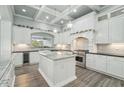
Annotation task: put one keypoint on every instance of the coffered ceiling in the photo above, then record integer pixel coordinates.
(55, 14)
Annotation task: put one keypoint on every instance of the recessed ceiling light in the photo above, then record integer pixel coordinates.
(55, 30)
(62, 21)
(47, 17)
(75, 10)
(23, 10)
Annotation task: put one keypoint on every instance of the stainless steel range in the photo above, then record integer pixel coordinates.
(80, 57)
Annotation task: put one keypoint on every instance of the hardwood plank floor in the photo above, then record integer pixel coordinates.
(29, 76)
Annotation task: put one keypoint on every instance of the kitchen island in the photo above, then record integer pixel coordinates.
(57, 68)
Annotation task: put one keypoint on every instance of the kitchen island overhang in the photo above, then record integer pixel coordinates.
(57, 68)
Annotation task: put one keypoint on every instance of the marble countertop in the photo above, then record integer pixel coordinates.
(58, 55)
(107, 54)
(32, 50)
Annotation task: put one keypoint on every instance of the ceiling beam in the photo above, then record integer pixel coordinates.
(55, 13)
(35, 7)
(40, 11)
(50, 11)
(95, 8)
(48, 23)
(65, 13)
(23, 16)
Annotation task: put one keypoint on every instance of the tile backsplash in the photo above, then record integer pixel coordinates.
(114, 48)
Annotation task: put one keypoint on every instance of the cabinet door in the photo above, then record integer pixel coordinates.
(116, 29)
(101, 62)
(34, 57)
(56, 38)
(21, 35)
(18, 59)
(115, 67)
(90, 62)
(102, 32)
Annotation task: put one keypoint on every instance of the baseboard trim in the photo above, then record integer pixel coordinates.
(105, 73)
(51, 84)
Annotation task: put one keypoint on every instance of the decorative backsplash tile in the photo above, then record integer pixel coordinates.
(114, 48)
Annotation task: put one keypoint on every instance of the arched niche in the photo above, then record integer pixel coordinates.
(80, 43)
(42, 40)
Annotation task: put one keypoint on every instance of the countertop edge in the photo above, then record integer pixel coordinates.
(58, 58)
(105, 54)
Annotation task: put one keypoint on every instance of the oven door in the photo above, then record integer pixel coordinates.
(80, 61)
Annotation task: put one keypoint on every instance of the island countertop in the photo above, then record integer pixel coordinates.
(57, 55)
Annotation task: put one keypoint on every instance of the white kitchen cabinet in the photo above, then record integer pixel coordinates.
(102, 31)
(97, 62)
(62, 38)
(56, 38)
(90, 62)
(66, 37)
(18, 59)
(115, 66)
(21, 35)
(100, 62)
(116, 29)
(34, 57)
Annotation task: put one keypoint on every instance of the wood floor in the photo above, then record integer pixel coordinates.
(28, 76)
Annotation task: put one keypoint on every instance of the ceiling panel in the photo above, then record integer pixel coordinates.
(43, 16)
(30, 12)
(83, 10)
(59, 8)
(64, 22)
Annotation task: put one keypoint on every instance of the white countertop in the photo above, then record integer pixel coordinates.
(57, 55)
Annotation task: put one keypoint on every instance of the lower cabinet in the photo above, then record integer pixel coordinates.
(34, 57)
(100, 62)
(96, 62)
(113, 66)
(18, 59)
(90, 62)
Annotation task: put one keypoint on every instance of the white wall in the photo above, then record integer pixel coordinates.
(5, 33)
(6, 28)
(6, 13)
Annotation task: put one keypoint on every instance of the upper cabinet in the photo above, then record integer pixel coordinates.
(110, 27)
(102, 29)
(21, 35)
(62, 38)
(116, 26)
